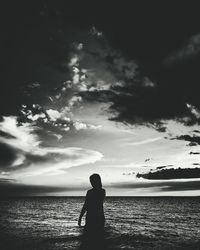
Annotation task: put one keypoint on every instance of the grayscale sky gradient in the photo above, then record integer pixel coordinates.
(109, 89)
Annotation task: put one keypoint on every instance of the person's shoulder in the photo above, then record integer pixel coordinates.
(103, 191)
(90, 191)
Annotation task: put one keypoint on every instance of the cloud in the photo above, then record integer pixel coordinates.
(79, 46)
(33, 112)
(148, 83)
(194, 153)
(164, 186)
(97, 66)
(133, 143)
(58, 136)
(54, 159)
(36, 117)
(74, 100)
(34, 85)
(82, 126)
(60, 118)
(23, 154)
(126, 67)
(166, 166)
(190, 49)
(6, 135)
(104, 74)
(194, 140)
(171, 173)
(22, 136)
(7, 155)
(100, 73)
(92, 49)
(74, 60)
(95, 32)
(53, 114)
(194, 110)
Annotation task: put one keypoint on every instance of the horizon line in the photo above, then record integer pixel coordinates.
(109, 196)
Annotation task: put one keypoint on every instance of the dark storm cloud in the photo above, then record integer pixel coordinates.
(196, 164)
(33, 50)
(134, 97)
(135, 103)
(166, 174)
(194, 153)
(173, 97)
(37, 46)
(192, 144)
(7, 155)
(196, 131)
(175, 86)
(7, 135)
(146, 105)
(148, 97)
(194, 140)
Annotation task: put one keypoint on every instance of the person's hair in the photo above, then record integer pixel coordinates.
(95, 181)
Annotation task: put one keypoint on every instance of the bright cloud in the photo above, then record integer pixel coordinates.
(74, 100)
(81, 125)
(34, 159)
(53, 114)
(193, 110)
(36, 117)
(74, 60)
(23, 136)
(64, 158)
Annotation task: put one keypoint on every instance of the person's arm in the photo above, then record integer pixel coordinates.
(83, 210)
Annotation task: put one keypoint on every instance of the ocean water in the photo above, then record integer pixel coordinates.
(131, 223)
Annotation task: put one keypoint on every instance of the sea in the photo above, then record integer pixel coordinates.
(131, 223)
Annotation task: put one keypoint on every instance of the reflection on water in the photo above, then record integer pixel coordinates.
(131, 223)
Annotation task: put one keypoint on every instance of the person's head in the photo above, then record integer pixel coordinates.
(95, 181)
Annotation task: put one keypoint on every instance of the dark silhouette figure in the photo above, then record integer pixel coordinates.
(94, 205)
(93, 235)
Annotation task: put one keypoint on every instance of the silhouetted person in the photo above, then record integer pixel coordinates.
(94, 204)
(93, 236)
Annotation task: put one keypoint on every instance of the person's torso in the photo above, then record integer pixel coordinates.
(95, 200)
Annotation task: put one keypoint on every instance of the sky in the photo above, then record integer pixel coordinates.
(100, 88)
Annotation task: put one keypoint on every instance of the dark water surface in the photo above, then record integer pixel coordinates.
(131, 223)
